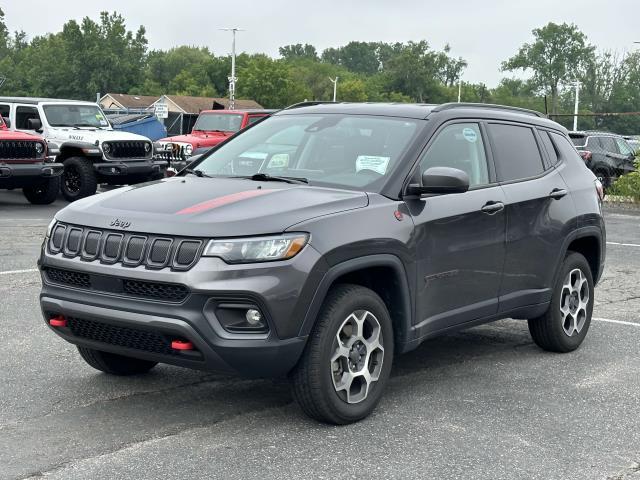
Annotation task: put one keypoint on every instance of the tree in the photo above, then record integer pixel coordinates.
(555, 57)
(357, 57)
(267, 81)
(298, 51)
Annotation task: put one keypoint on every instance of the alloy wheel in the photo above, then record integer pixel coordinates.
(574, 301)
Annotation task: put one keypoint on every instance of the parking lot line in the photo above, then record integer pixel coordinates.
(15, 272)
(624, 244)
(619, 322)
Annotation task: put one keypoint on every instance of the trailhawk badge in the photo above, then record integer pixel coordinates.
(117, 223)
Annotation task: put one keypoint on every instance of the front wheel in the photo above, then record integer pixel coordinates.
(565, 324)
(43, 194)
(347, 361)
(79, 179)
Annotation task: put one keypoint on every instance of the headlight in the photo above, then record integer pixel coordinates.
(39, 148)
(147, 147)
(50, 228)
(106, 148)
(188, 150)
(257, 249)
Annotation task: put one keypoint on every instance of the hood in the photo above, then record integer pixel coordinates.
(11, 135)
(208, 207)
(91, 135)
(199, 139)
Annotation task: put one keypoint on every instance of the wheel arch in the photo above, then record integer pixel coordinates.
(386, 275)
(587, 241)
(78, 149)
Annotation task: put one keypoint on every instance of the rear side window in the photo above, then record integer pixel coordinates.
(579, 141)
(564, 147)
(594, 144)
(4, 111)
(23, 115)
(548, 146)
(516, 152)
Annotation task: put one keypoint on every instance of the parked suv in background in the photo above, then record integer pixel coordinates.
(211, 128)
(607, 155)
(82, 139)
(325, 239)
(24, 164)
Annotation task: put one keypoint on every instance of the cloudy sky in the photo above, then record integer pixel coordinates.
(483, 32)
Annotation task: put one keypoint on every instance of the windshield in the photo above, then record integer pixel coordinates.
(225, 122)
(75, 116)
(354, 151)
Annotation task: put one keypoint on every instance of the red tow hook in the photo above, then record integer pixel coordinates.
(181, 345)
(58, 321)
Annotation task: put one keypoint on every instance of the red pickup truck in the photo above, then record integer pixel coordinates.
(211, 128)
(24, 164)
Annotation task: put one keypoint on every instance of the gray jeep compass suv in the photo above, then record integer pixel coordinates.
(328, 238)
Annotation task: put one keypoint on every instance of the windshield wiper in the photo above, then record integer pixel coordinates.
(265, 177)
(197, 173)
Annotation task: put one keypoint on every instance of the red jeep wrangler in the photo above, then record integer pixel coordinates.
(211, 128)
(24, 164)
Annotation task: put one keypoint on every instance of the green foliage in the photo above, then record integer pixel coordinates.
(627, 186)
(298, 51)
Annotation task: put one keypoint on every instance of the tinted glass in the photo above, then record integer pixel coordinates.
(459, 146)
(548, 146)
(4, 111)
(564, 148)
(579, 141)
(593, 143)
(23, 115)
(353, 151)
(609, 144)
(254, 119)
(624, 147)
(516, 152)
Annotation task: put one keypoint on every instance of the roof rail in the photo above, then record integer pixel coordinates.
(450, 106)
(307, 104)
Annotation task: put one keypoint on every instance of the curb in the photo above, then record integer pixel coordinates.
(621, 203)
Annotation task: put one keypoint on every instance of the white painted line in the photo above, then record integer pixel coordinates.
(16, 272)
(624, 244)
(619, 322)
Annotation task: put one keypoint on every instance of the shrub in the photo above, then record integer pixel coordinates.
(627, 186)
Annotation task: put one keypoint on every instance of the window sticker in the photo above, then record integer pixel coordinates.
(371, 162)
(470, 135)
(255, 155)
(279, 160)
(101, 119)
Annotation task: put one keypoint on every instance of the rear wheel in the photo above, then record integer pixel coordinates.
(115, 364)
(43, 194)
(604, 176)
(79, 179)
(347, 361)
(564, 326)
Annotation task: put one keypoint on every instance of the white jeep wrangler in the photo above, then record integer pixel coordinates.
(81, 138)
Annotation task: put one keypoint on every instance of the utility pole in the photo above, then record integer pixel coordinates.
(335, 86)
(575, 110)
(233, 79)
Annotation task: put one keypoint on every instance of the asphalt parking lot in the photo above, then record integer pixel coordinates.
(483, 403)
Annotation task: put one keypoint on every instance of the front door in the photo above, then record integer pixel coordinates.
(459, 238)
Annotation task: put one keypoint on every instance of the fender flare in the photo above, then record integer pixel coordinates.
(88, 149)
(353, 265)
(583, 232)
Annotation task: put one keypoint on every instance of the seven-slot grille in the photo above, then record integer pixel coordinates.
(166, 292)
(127, 149)
(19, 150)
(128, 249)
(172, 152)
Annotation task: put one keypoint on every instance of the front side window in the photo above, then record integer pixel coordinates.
(459, 146)
(352, 151)
(218, 122)
(75, 116)
(624, 147)
(516, 152)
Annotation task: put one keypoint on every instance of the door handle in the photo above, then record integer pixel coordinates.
(558, 193)
(492, 207)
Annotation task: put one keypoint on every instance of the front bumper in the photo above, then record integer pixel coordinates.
(134, 167)
(276, 289)
(24, 174)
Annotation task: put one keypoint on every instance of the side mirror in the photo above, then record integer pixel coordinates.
(7, 122)
(440, 181)
(34, 124)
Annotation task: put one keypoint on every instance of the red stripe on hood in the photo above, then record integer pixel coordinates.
(224, 200)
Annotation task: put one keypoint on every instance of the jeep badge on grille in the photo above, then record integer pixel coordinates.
(117, 223)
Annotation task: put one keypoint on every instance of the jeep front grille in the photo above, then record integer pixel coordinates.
(164, 292)
(19, 150)
(172, 152)
(128, 249)
(127, 149)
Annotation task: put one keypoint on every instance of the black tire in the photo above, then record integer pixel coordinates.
(548, 331)
(43, 194)
(115, 364)
(79, 179)
(313, 377)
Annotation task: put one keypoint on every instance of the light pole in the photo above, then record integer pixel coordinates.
(575, 110)
(233, 79)
(459, 90)
(335, 86)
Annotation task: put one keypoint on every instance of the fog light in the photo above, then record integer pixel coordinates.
(254, 317)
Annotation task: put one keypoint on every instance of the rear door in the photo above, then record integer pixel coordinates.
(539, 213)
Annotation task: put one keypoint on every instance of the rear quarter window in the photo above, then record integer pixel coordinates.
(564, 148)
(549, 147)
(516, 152)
